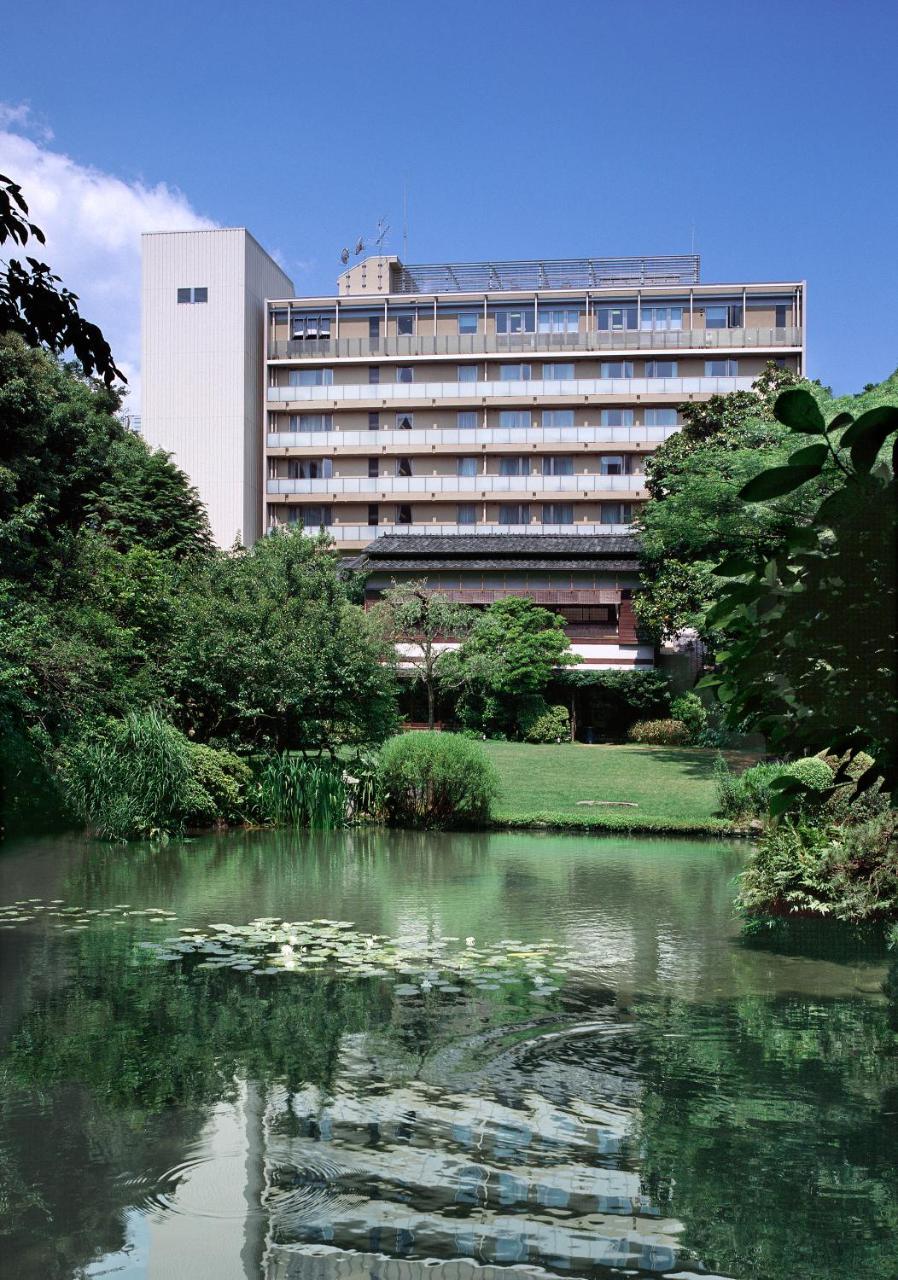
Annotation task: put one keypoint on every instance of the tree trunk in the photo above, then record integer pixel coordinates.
(430, 704)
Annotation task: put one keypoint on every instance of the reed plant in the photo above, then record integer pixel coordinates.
(293, 791)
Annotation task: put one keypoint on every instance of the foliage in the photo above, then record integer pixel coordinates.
(418, 620)
(659, 732)
(749, 794)
(610, 701)
(847, 872)
(553, 725)
(690, 709)
(224, 778)
(133, 778)
(500, 672)
(31, 304)
(435, 780)
(296, 792)
(268, 652)
(813, 623)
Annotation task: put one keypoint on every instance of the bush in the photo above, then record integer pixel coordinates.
(435, 780)
(610, 701)
(692, 711)
(554, 725)
(849, 872)
(132, 778)
(292, 791)
(748, 795)
(659, 733)
(222, 781)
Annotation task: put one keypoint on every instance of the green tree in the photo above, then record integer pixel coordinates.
(502, 669)
(419, 621)
(813, 624)
(269, 652)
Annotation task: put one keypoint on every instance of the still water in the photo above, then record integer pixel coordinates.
(667, 1100)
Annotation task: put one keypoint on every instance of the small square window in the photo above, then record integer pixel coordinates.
(406, 325)
(404, 373)
(403, 467)
(467, 372)
(405, 421)
(201, 295)
(466, 513)
(184, 295)
(466, 466)
(467, 322)
(403, 514)
(466, 419)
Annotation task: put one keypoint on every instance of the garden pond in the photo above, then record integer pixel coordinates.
(390, 1055)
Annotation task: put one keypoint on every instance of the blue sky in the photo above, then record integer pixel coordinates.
(521, 130)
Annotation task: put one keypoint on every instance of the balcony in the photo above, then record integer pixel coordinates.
(364, 533)
(450, 345)
(424, 487)
(407, 394)
(477, 438)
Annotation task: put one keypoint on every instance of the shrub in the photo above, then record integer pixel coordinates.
(748, 794)
(222, 784)
(849, 872)
(132, 778)
(292, 791)
(435, 780)
(610, 701)
(692, 711)
(554, 725)
(660, 733)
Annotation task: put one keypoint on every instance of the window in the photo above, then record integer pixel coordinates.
(514, 466)
(311, 421)
(661, 318)
(374, 421)
(518, 321)
(467, 372)
(466, 419)
(514, 513)
(311, 377)
(617, 369)
(373, 468)
(612, 464)
(373, 375)
(193, 295)
(721, 368)
(559, 465)
(307, 327)
(404, 373)
(558, 513)
(723, 317)
(467, 322)
(405, 421)
(514, 418)
(310, 517)
(403, 466)
(403, 514)
(781, 315)
(616, 513)
(185, 295)
(660, 368)
(466, 466)
(310, 468)
(660, 417)
(559, 321)
(405, 325)
(558, 372)
(615, 319)
(557, 418)
(466, 513)
(514, 372)
(373, 513)
(373, 328)
(617, 418)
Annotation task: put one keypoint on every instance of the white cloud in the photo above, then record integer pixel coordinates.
(93, 222)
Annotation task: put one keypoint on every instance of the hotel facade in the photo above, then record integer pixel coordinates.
(468, 404)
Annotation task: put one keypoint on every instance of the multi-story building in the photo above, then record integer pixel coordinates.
(515, 397)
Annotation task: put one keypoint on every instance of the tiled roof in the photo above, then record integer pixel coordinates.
(424, 563)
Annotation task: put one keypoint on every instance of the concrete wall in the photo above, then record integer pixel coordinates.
(203, 366)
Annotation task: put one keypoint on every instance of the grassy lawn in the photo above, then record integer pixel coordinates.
(672, 786)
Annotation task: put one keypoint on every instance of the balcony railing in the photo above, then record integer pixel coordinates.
(472, 438)
(396, 347)
(424, 487)
(362, 533)
(407, 394)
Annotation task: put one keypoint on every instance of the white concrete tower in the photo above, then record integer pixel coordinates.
(203, 365)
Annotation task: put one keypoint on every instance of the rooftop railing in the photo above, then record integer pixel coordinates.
(545, 273)
(398, 347)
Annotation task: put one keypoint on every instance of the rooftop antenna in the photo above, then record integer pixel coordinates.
(693, 239)
(344, 256)
(405, 222)
(383, 228)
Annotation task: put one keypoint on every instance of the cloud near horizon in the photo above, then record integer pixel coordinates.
(93, 222)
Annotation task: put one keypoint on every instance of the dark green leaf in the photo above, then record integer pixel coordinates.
(732, 566)
(868, 434)
(810, 456)
(798, 409)
(839, 421)
(776, 482)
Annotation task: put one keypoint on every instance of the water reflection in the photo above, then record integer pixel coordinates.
(684, 1102)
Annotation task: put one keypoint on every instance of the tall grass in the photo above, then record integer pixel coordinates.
(294, 792)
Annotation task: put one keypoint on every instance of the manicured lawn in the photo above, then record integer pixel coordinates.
(672, 787)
